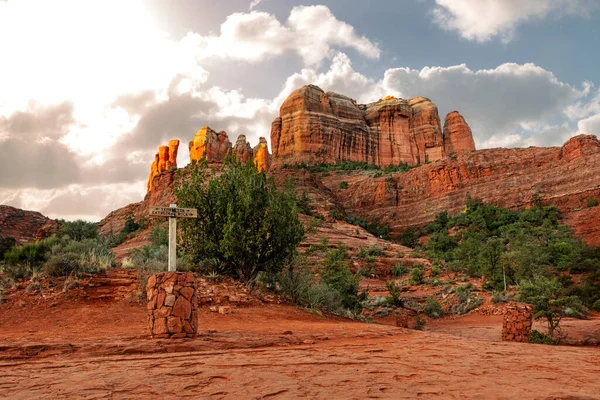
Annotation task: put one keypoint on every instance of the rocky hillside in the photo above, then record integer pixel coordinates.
(24, 226)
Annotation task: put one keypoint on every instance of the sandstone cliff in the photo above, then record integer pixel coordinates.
(210, 144)
(216, 146)
(457, 134)
(164, 160)
(318, 127)
(25, 226)
(564, 176)
(261, 155)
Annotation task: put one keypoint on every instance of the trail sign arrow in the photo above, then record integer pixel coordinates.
(173, 213)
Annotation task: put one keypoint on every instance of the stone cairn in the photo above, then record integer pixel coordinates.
(172, 305)
(517, 321)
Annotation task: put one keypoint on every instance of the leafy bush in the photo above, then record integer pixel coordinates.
(337, 275)
(244, 220)
(159, 235)
(77, 230)
(436, 269)
(344, 185)
(6, 244)
(304, 203)
(539, 338)
(432, 309)
(417, 275)
(375, 251)
(336, 214)
(321, 247)
(550, 301)
(62, 264)
(596, 306)
(591, 202)
(374, 228)
(394, 297)
(399, 270)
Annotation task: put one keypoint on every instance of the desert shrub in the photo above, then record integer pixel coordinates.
(244, 220)
(77, 230)
(304, 203)
(375, 251)
(159, 235)
(362, 253)
(432, 309)
(501, 297)
(417, 253)
(436, 269)
(344, 185)
(417, 275)
(337, 275)
(399, 270)
(420, 323)
(591, 202)
(376, 229)
(62, 264)
(366, 271)
(596, 306)
(394, 290)
(539, 338)
(320, 247)
(6, 244)
(550, 301)
(296, 284)
(336, 214)
(409, 238)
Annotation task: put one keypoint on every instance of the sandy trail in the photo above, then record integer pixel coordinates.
(100, 351)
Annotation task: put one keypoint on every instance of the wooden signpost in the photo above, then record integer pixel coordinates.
(173, 213)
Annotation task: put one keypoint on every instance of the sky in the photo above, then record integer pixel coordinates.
(90, 89)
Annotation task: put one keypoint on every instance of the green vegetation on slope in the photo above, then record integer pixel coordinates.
(509, 247)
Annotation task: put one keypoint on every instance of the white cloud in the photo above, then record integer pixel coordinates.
(482, 20)
(495, 102)
(89, 202)
(310, 31)
(590, 125)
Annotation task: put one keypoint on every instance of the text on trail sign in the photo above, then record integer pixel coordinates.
(173, 213)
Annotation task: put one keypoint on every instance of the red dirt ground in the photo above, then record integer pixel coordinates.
(92, 349)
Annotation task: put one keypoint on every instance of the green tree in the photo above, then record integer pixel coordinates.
(78, 230)
(550, 301)
(244, 220)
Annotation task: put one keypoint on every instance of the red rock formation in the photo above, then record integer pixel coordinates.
(242, 149)
(564, 176)
(262, 158)
(164, 160)
(457, 134)
(426, 130)
(24, 226)
(210, 144)
(318, 127)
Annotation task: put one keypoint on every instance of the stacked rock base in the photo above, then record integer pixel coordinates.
(516, 324)
(172, 305)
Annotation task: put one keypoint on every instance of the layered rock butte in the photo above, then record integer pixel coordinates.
(215, 147)
(318, 127)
